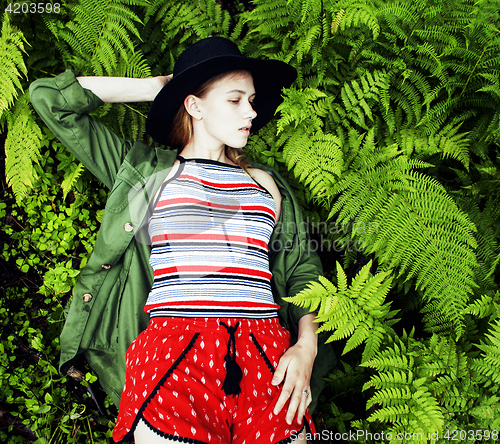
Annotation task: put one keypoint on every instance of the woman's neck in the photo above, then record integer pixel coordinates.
(191, 151)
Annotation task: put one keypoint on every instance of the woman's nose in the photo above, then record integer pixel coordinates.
(250, 113)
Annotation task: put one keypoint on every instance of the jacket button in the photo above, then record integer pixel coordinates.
(87, 297)
(128, 227)
(106, 266)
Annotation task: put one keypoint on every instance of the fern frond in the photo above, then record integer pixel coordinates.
(304, 106)
(401, 18)
(12, 67)
(315, 295)
(447, 368)
(438, 364)
(319, 151)
(402, 395)
(270, 17)
(448, 141)
(336, 21)
(280, 29)
(488, 365)
(420, 229)
(313, 34)
(101, 34)
(487, 409)
(316, 157)
(70, 178)
(492, 85)
(22, 147)
(483, 307)
(356, 15)
(358, 97)
(356, 312)
(210, 19)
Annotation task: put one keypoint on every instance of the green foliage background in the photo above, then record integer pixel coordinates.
(391, 137)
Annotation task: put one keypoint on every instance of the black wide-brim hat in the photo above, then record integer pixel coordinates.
(206, 59)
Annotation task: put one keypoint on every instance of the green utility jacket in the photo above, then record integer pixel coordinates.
(107, 310)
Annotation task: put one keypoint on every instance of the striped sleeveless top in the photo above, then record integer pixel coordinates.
(209, 232)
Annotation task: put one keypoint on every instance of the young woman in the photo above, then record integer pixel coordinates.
(214, 365)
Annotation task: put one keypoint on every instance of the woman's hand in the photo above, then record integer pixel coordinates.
(124, 89)
(295, 367)
(161, 82)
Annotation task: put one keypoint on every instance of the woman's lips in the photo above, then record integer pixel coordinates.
(245, 129)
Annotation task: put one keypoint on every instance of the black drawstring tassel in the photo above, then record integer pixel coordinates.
(234, 375)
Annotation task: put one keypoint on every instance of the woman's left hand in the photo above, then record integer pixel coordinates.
(295, 368)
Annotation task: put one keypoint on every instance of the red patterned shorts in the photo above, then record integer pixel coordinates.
(175, 374)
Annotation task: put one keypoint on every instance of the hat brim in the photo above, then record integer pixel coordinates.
(269, 77)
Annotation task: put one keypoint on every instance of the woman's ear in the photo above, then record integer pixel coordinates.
(191, 105)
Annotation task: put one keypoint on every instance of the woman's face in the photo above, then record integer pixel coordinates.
(226, 111)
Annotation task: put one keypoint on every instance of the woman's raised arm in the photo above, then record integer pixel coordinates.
(124, 89)
(64, 105)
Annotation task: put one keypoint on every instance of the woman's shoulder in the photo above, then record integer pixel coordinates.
(265, 180)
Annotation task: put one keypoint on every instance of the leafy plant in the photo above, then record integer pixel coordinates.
(356, 312)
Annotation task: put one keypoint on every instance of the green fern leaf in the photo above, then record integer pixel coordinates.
(358, 97)
(488, 365)
(402, 395)
(12, 66)
(356, 312)
(488, 411)
(358, 14)
(483, 307)
(415, 222)
(70, 178)
(22, 147)
(336, 21)
(101, 35)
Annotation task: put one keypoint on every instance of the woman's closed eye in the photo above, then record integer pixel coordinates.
(236, 101)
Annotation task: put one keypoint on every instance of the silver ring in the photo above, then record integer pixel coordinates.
(306, 393)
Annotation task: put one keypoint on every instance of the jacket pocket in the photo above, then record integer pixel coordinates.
(126, 180)
(105, 311)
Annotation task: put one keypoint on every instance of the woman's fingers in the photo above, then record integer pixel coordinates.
(160, 82)
(278, 377)
(293, 407)
(298, 400)
(165, 79)
(295, 383)
(305, 400)
(279, 373)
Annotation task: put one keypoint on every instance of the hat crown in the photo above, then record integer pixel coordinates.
(205, 49)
